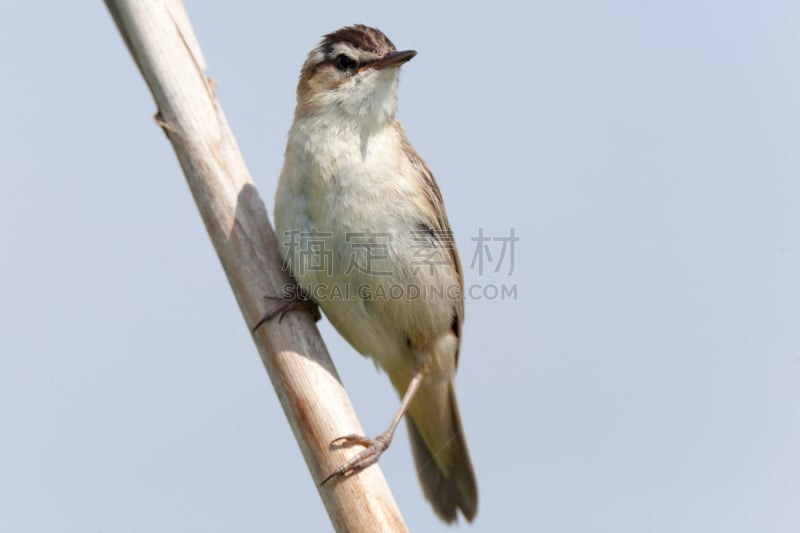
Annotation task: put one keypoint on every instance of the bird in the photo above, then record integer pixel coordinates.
(366, 237)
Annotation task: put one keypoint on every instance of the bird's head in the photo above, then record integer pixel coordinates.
(353, 74)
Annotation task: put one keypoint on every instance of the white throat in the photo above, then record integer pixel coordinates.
(366, 102)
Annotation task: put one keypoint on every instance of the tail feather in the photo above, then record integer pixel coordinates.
(447, 491)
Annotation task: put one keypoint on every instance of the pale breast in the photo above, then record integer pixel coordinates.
(352, 237)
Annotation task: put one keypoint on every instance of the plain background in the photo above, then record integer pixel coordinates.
(645, 378)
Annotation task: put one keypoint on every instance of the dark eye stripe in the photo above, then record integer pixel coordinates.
(344, 62)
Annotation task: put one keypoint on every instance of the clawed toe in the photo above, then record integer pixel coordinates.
(373, 448)
(287, 304)
(350, 440)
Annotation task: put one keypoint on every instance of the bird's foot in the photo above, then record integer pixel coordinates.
(373, 448)
(295, 300)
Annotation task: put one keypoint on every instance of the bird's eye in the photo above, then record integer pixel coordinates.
(344, 62)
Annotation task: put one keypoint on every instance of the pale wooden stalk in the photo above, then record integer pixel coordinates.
(162, 42)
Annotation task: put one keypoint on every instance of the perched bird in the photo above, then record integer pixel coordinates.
(366, 237)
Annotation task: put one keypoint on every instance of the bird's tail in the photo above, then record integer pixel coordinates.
(440, 453)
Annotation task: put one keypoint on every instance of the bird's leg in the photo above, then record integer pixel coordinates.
(373, 448)
(291, 300)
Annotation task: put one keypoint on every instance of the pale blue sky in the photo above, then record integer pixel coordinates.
(646, 378)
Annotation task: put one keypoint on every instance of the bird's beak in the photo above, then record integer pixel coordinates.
(393, 60)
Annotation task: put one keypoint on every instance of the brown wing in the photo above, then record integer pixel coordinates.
(438, 222)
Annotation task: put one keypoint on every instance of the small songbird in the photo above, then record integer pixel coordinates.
(366, 237)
